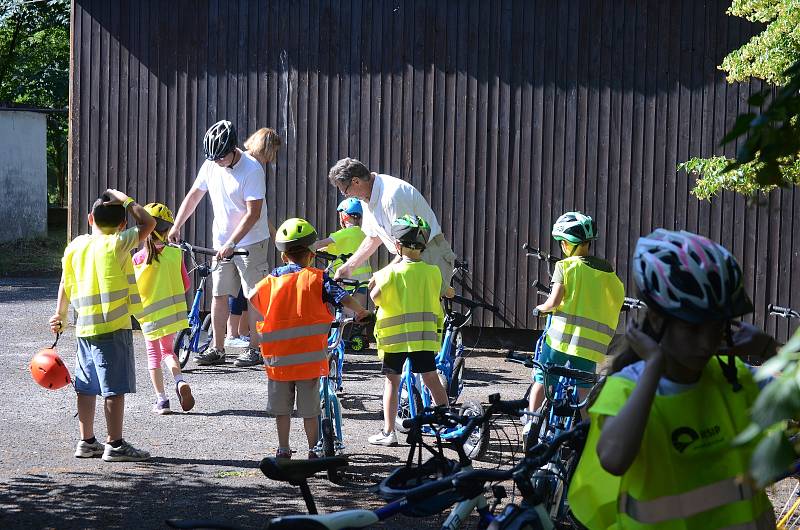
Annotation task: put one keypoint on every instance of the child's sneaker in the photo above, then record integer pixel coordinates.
(385, 439)
(162, 407)
(210, 357)
(87, 450)
(283, 453)
(185, 397)
(236, 342)
(124, 453)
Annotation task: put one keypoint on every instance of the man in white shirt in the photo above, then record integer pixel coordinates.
(236, 186)
(384, 199)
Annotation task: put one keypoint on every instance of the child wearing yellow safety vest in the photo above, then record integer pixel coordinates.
(660, 452)
(98, 280)
(347, 241)
(585, 301)
(294, 333)
(409, 319)
(162, 280)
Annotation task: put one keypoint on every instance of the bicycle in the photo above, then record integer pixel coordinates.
(358, 341)
(192, 340)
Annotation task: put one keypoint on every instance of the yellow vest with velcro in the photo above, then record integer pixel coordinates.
(585, 321)
(163, 295)
(347, 241)
(688, 474)
(100, 284)
(410, 315)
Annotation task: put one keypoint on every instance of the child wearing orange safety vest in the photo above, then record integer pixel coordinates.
(294, 332)
(162, 281)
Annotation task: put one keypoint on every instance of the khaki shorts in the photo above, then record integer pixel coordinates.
(281, 397)
(439, 253)
(241, 271)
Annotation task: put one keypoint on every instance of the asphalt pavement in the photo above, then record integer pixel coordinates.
(204, 464)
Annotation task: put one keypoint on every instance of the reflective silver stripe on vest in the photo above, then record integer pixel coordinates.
(275, 361)
(686, 504)
(588, 323)
(413, 336)
(149, 327)
(408, 318)
(101, 318)
(102, 298)
(294, 333)
(162, 304)
(131, 279)
(135, 299)
(559, 335)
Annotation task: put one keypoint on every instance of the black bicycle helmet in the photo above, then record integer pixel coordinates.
(412, 231)
(405, 478)
(220, 139)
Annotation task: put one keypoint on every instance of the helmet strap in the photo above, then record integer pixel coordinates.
(730, 372)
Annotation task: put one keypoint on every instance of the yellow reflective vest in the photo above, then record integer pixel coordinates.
(687, 475)
(347, 241)
(163, 295)
(100, 284)
(410, 315)
(585, 321)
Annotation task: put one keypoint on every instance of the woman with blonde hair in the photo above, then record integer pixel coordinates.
(263, 145)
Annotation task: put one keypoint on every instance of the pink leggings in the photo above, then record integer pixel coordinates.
(158, 350)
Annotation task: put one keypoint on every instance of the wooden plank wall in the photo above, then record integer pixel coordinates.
(503, 113)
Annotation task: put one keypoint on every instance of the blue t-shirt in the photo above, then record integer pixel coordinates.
(331, 292)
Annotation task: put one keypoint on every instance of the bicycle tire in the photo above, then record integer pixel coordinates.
(559, 511)
(329, 448)
(456, 385)
(476, 445)
(403, 410)
(538, 428)
(182, 346)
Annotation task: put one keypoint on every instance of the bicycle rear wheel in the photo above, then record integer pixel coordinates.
(404, 409)
(478, 442)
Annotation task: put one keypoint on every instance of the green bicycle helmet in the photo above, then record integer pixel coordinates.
(575, 228)
(411, 231)
(295, 234)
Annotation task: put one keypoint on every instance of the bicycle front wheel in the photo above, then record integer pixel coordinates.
(404, 409)
(183, 346)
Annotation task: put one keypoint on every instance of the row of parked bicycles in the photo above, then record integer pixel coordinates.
(430, 482)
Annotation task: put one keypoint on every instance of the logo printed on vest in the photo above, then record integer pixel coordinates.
(683, 437)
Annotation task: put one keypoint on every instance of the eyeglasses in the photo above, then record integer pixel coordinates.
(347, 188)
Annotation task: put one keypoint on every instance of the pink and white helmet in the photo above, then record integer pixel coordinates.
(689, 277)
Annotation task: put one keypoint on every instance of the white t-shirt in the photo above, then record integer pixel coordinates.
(229, 191)
(667, 387)
(393, 198)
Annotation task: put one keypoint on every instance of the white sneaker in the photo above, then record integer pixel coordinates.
(124, 453)
(236, 342)
(382, 438)
(87, 450)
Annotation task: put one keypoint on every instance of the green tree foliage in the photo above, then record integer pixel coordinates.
(768, 56)
(34, 70)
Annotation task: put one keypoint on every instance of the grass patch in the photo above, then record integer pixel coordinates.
(39, 256)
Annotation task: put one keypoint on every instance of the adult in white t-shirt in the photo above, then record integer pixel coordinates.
(385, 198)
(236, 185)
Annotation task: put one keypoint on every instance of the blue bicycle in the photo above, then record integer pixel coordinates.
(195, 339)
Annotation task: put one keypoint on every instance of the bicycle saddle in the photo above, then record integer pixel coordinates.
(297, 471)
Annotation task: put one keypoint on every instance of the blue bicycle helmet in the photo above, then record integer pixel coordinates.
(351, 207)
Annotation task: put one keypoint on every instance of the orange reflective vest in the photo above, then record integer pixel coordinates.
(294, 333)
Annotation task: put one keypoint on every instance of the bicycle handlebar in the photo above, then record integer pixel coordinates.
(327, 256)
(785, 312)
(632, 303)
(441, 416)
(472, 304)
(350, 282)
(187, 247)
(541, 255)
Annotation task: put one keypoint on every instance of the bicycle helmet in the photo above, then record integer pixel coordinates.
(295, 234)
(48, 370)
(402, 479)
(162, 215)
(575, 228)
(412, 231)
(689, 277)
(220, 139)
(351, 207)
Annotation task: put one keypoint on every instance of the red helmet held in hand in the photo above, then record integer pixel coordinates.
(49, 370)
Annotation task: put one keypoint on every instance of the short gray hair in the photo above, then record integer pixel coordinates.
(348, 168)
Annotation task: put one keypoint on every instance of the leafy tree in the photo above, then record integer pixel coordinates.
(768, 56)
(34, 70)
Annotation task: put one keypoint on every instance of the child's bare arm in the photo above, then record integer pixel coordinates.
(352, 304)
(144, 221)
(57, 320)
(322, 243)
(374, 291)
(554, 300)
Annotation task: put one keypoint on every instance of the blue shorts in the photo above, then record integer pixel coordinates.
(106, 364)
(237, 304)
(550, 356)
